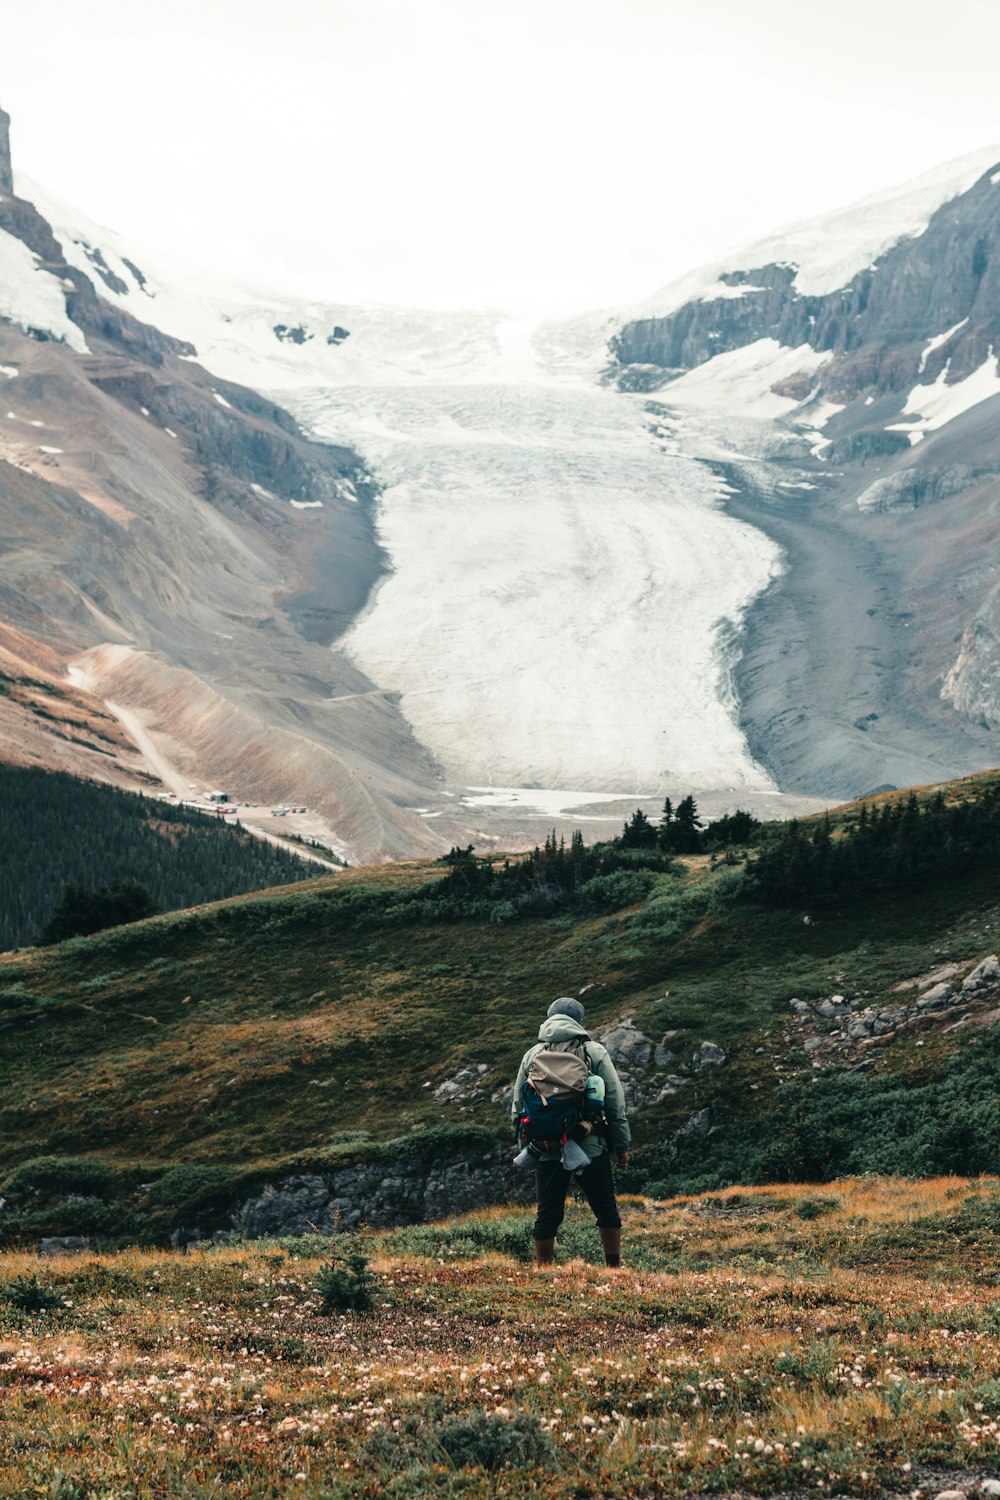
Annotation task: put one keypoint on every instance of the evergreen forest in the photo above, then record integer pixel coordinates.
(898, 846)
(58, 831)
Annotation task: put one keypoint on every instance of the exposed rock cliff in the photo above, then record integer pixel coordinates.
(6, 174)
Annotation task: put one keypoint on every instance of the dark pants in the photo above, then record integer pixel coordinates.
(598, 1184)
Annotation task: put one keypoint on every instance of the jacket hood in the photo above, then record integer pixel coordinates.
(560, 1029)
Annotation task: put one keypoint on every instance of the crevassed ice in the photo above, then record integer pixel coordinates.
(561, 587)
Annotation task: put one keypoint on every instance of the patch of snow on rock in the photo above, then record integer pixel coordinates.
(936, 343)
(938, 403)
(33, 298)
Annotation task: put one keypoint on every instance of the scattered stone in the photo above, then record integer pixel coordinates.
(952, 1495)
(812, 1043)
(835, 1006)
(991, 1488)
(463, 1087)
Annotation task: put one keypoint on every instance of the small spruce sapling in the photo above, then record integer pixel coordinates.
(346, 1284)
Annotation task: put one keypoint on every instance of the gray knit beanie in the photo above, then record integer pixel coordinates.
(567, 1006)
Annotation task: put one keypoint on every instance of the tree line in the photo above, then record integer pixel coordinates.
(60, 835)
(899, 846)
(602, 876)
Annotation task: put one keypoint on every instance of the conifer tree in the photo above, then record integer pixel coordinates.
(686, 834)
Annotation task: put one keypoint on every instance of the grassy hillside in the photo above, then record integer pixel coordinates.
(268, 1030)
(57, 830)
(763, 1342)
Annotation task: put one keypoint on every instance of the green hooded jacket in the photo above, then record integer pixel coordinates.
(564, 1029)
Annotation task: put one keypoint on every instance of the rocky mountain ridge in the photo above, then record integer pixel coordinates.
(871, 457)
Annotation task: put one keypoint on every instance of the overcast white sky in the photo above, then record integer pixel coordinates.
(551, 154)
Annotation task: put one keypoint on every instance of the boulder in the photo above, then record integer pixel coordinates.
(947, 971)
(709, 1055)
(698, 1123)
(984, 974)
(628, 1046)
(937, 998)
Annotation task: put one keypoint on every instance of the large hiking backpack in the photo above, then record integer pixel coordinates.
(553, 1099)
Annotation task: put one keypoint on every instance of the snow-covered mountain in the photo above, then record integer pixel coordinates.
(684, 545)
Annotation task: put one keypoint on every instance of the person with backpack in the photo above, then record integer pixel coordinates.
(569, 1116)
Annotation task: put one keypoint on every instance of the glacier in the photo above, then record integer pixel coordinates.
(566, 587)
(563, 583)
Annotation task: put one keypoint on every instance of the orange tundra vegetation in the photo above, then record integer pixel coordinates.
(764, 1341)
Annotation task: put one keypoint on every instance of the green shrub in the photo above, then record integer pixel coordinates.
(345, 1284)
(495, 1442)
(55, 1176)
(815, 1206)
(190, 1195)
(28, 1295)
(621, 888)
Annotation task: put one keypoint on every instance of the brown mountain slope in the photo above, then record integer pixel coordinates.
(146, 506)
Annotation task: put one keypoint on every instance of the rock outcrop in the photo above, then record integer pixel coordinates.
(383, 1194)
(973, 681)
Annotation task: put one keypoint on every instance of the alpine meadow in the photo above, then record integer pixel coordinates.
(499, 751)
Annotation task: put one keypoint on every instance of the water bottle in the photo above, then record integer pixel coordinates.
(595, 1089)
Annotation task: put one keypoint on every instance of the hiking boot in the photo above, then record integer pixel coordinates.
(611, 1242)
(545, 1254)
